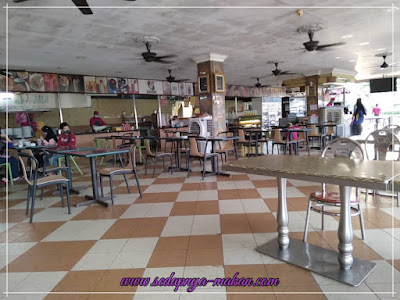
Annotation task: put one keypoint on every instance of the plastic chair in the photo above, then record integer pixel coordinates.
(285, 143)
(202, 156)
(384, 141)
(155, 155)
(130, 168)
(34, 183)
(73, 160)
(101, 143)
(318, 200)
(8, 169)
(228, 147)
(314, 134)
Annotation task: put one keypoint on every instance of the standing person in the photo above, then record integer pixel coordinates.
(4, 140)
(65, 139)
(97, 123)
(376, 111)
(358, 118)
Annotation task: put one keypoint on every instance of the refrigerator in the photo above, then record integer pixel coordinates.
(271, 111)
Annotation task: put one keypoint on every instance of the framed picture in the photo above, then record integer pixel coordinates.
(219, 83)
(311, 90)
(203, 84)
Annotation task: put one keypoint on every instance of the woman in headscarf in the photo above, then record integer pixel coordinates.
(48, 138)
(39, 131)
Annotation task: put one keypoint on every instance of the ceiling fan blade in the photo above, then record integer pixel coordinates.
(323, 47)
(162, 61)
(83, 6)
(166, 56)
(18, 1)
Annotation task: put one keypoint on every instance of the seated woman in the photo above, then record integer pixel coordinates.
(65, 139)
(4, 140)
(48, 138)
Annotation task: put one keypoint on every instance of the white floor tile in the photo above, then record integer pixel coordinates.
(16, 248)
(330, 223)
(173, 187)
(238, 241)
(206, 224)
(381, 243)
(226, 185)
(45, 203)
(254, 206)
(303, 183)
(187, 196)
(14, 279)
(395, 212)
(230, 207)
(108, 246)
(207, 195)
(244, 184)
(137, 211)
(160, 210)
(56, 214)
(40, 282)
(3, 226)
(383, 273)
(140, 244)
(131, 260)
(243, 256)
(384, 290)
(160, 272)
(126, 198)
(346, 292)
(96, 261)
(296, 222)
(80, 230)
(155, 188)
(291, 192)
(178, 226)
(260, 177)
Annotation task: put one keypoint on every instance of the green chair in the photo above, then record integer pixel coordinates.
(101, 143)
(73, 160)
(8, 167)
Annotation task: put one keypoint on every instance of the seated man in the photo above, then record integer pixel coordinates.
(97, 123)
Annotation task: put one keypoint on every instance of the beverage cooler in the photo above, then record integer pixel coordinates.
(271, 111)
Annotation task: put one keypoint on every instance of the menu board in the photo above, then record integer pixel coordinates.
(123, 86)
(90, 84)
(112, 85)
(101, 85)
(150, 87)
(51, 83)
(175, 88)
(23, 81)
(133, 86)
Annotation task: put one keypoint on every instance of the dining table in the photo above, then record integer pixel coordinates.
(214, 140)
(346, 173)
(92, 154)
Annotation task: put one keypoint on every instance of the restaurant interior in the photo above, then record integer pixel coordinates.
(199, 149)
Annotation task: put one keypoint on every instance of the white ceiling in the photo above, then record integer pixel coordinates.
(49, 39)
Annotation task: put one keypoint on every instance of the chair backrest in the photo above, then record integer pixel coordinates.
(132, 155)
(277, 136)
(344, 147)
(330, 131)
(229, 143)
(241, 135)
(393, 128)
(148, 149)
(126, 138)
(313, 131)
(302, 135)
(23, 157)
(194, 150)
(384, 140)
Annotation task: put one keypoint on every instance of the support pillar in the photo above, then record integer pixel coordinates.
(211, 88)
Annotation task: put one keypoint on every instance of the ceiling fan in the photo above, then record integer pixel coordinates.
(278, 72)
(152, 56)
(312, 45)
(385, 65)
(258, 84)
(171, 78)
(82, 5)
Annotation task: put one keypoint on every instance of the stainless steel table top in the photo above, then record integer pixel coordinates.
(339, 171)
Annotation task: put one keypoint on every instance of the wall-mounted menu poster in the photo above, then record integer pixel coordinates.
(112, 85)
(150, 87)
(90, 84)
(51, 82)
(101, 85)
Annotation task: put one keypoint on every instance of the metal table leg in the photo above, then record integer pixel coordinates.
(72, 190)
(345, 231)
(95, 197)
(340, 266)
(282, 215)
